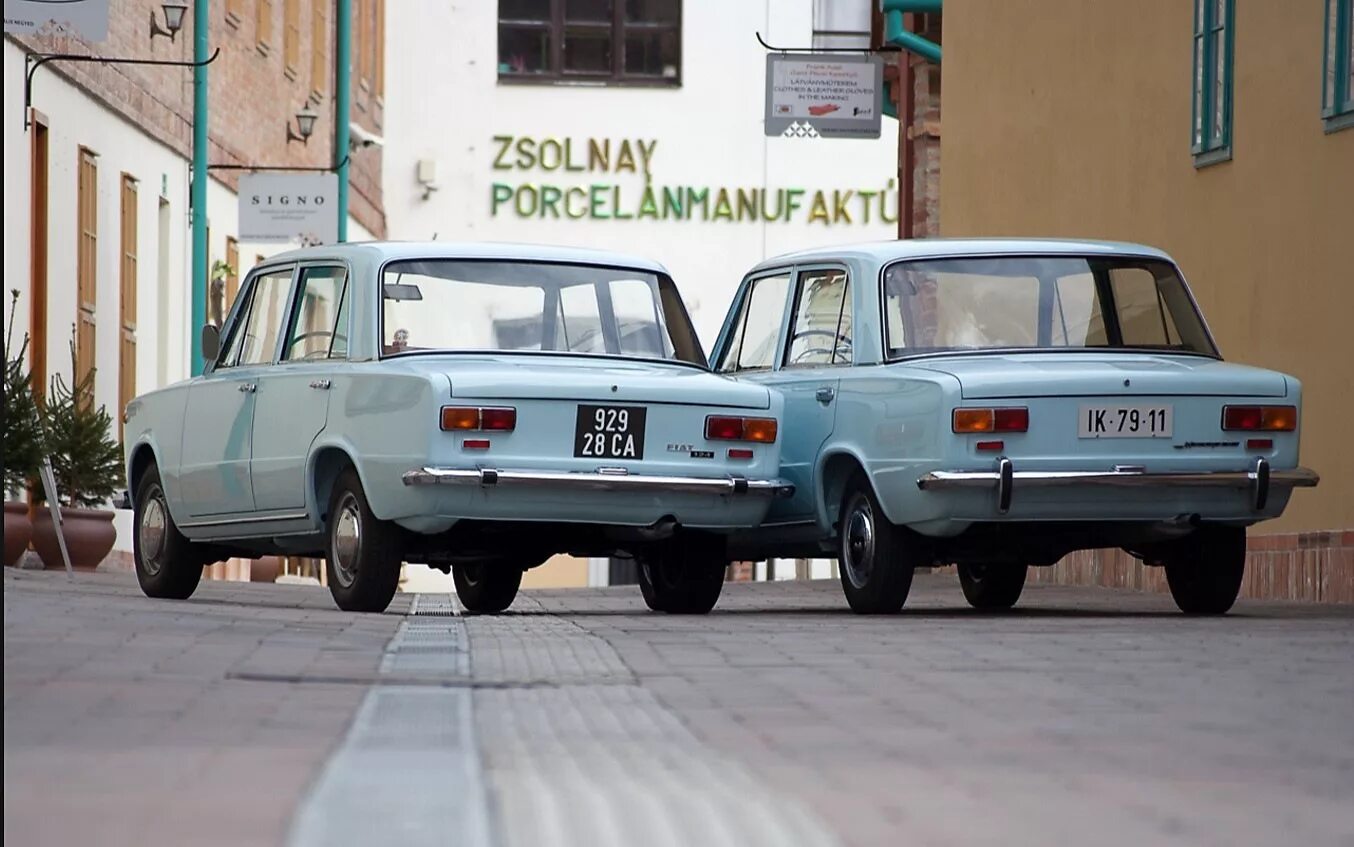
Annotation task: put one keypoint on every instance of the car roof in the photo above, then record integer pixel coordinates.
(384, 251)
(937, 248)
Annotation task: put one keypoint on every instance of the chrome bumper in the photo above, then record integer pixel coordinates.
(1005, 478)
(599, 481)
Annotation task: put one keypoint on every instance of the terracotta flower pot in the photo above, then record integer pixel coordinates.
(18, 532)
(89, 537)
(265, 569)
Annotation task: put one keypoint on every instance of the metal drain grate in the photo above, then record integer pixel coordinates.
(441, 605)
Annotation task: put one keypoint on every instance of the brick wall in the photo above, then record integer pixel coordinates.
(925, 133)
(253, 94)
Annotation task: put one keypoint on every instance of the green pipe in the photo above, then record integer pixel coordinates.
(343, 99)
(895, 34)
(910, 5)
(197, 195)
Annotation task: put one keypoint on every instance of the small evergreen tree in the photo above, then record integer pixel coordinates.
(86, 461)
(21, 425)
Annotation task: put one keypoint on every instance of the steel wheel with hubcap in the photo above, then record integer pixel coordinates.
(991, 587)
(363, 565)
(487, 587)
(683, 575)
(166, 564)
(1204, 570)
(876, 558)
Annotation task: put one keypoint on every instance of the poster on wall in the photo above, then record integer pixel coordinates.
(279, 207)
(85, 18)
(823, 95)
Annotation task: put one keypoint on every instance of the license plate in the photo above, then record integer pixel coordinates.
(609, 432)
(1125, 422)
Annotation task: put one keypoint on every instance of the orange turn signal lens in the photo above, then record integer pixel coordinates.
(762, 430)
(460, 417)
(721, 428)
(1256, 418)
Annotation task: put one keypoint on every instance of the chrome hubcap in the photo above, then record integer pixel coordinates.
(151, 533)
(858, 544)
(346, 541)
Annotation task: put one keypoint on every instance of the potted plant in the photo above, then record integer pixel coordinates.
(22, 443)
(87, 465)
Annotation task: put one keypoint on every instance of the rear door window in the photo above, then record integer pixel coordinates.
(756, 332)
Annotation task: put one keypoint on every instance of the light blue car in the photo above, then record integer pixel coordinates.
(474, 407)
(999, 404)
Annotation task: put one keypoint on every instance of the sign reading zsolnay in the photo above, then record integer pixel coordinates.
(85, 18)
(810, 95)
(278, 207)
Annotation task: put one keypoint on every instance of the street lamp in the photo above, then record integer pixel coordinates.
(305, 125)
(174, 12)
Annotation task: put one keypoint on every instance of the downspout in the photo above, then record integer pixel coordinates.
(898, 35)
(197, 193)
(343, 100)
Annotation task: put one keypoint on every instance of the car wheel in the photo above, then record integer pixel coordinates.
(363, 566)
(683, 576)
(876, 558)
(992, 587)
(167, 566)
(486, 587)
(1205, 569)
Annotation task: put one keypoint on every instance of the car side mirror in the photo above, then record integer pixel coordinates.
(211, 342)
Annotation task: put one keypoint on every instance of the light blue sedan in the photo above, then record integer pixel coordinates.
(474, 407)
(998, 404)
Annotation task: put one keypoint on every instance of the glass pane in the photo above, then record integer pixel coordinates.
(266, 318)
(524, 10)
(1143, 318)
(580, 320)
(1199, 6)
(1198, 91)
(587, 11)
(1077, 318)
(651, 53)
(338, 347)
(653, 11)
(758, 329)
(1219, 105)
(635, 307)
(1328, 82)
(313, 326)
(821, 331)
(587, 50)
(523, 50)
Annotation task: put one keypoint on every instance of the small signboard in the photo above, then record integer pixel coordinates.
(278, 207)
(85, 18)
(818, 94)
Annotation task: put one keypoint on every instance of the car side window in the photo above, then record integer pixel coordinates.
(319, 322)
(820, 329)
(265, 319)
(1144, 319)
(756, 331)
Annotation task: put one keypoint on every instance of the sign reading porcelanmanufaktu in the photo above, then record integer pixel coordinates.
(279, 207)
(811, 95)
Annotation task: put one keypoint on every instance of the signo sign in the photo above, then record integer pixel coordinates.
(279, 207)
(823, 95)
(85, 18)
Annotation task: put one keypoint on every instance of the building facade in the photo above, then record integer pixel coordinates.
(1218, 130)
(97, 218)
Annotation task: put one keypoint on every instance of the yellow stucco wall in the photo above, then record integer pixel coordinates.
(1072, 118)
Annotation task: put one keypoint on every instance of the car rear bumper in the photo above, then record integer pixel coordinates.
(595, 481)
(1260, 479)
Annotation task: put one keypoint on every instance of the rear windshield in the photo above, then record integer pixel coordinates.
(436, 305)
(1037, 303)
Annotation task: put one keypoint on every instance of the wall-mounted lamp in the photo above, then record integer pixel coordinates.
(174, 12)
(426, 174)
(305, 125)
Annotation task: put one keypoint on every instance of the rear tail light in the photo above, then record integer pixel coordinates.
(740, 453)
(727, 428)
(1010, 419)
(492, 419)
(1260, 418)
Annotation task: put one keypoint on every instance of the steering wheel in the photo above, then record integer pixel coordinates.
(313, 354)
(843, 344)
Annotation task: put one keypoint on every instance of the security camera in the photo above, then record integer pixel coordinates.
(363, 138)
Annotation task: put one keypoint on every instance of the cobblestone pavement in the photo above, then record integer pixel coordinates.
(259, 714)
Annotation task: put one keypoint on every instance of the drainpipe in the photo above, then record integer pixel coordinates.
(897, 34)
(343, 99)
(197, 195)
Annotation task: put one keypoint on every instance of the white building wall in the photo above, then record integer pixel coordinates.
(447, 105)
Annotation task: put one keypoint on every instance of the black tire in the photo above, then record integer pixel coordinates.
(487, 587)
(992, 587)
(876, 558)
(363, 565)
(682, 576)
(1205, 569)
(167, 566)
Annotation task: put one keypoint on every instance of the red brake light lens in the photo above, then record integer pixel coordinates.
(1011, 419)
(1260, 418)
(726, 428)
(498, 420)
(473, 418)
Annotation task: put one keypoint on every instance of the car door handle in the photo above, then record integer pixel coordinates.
(825, 395)
(248, 387)
(319, 383)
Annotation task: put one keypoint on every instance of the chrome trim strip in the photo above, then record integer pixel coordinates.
(595, 481)
(1298, 477)
(296, 516)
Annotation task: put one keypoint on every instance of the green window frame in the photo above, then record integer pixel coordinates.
(1212, 103)
(1337, 66)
